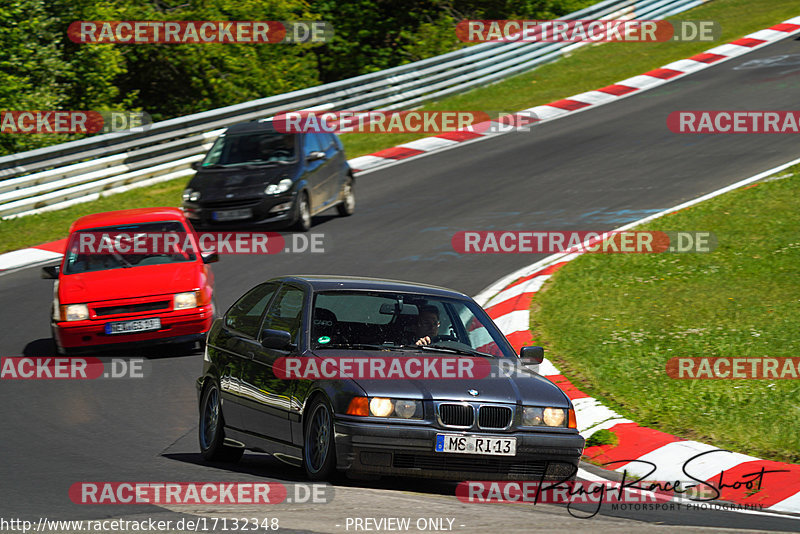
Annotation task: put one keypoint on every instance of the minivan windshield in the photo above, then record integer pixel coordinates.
(254, 148)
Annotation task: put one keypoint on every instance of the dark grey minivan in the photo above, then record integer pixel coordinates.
(254, 174)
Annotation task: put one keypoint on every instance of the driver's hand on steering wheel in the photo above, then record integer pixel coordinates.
(424, 341)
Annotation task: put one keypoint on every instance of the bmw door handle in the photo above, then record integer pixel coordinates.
(249, 355)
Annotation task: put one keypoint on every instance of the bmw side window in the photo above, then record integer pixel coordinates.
(245, 314)
(286, 312)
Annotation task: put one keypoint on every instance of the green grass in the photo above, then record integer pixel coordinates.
(594, 66)
(612, 321)
(584, 69)
(602, 437)
(52, 225)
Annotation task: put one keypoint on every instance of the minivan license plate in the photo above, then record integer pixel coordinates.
(232, 215)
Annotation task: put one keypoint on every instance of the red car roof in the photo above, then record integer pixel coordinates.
(138, 215)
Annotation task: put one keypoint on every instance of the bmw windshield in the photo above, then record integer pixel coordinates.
(375, 320)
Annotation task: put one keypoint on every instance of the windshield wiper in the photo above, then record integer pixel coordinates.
(356, 346)
(453, 350)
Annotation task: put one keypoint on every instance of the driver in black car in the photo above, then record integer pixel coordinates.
(427, 325)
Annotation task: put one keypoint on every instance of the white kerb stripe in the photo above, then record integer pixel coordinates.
(26, 256)
(546, 368)
(641, 81)
(366, 162)
(605, 425)
(530, 286)
(686, 65)
(792, 504)
(547, 112)
(429, 143)
(795, 20)
(767, 35)
(594, 97)
(670, 460)
(516, 321)
(729, 50)
(590, 412)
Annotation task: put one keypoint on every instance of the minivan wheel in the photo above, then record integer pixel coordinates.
(319, 451)
(210, 429)
(348, 204)
(302, 213)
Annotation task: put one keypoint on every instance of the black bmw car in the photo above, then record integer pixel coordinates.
(254, 174)
(281, 375)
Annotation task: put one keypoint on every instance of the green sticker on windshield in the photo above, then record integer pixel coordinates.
(324, 339)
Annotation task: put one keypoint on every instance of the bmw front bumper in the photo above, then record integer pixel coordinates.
(408, 450)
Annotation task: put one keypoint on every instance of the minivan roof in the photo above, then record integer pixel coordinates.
(252, 127)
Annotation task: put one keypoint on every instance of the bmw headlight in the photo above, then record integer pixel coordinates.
(407, 409)
(183, 301)
(190, 195)
(556, 417)
(385, 407)
(281, 187)
(381, 407)
(532, 416)
(74, 312)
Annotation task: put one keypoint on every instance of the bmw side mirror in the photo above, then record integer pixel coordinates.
(276, 339)
(531, 355)
(316, 155)
(50, 272)
(212, 257)
(196, 165)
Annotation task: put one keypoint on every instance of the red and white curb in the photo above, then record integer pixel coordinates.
(582, 101)
(554, 110)
(508, 303)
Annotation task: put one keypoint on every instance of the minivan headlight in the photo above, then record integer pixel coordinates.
(281, 187)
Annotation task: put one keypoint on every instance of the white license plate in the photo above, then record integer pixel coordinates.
(232, 215)
(139, 325)
(495, 446)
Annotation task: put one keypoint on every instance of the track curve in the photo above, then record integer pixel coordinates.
(592, 170)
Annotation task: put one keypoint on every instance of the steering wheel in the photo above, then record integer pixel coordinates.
(444, 337)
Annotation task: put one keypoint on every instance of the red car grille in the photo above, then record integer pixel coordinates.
(132, 308)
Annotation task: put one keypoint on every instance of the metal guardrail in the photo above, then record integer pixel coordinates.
(61, 175)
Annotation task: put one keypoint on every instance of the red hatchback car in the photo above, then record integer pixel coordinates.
(122, 282)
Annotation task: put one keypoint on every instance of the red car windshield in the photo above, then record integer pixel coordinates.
(130, 245)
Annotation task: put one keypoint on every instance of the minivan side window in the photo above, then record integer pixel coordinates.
(245, 314)
(327, 140)
(312, 143)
